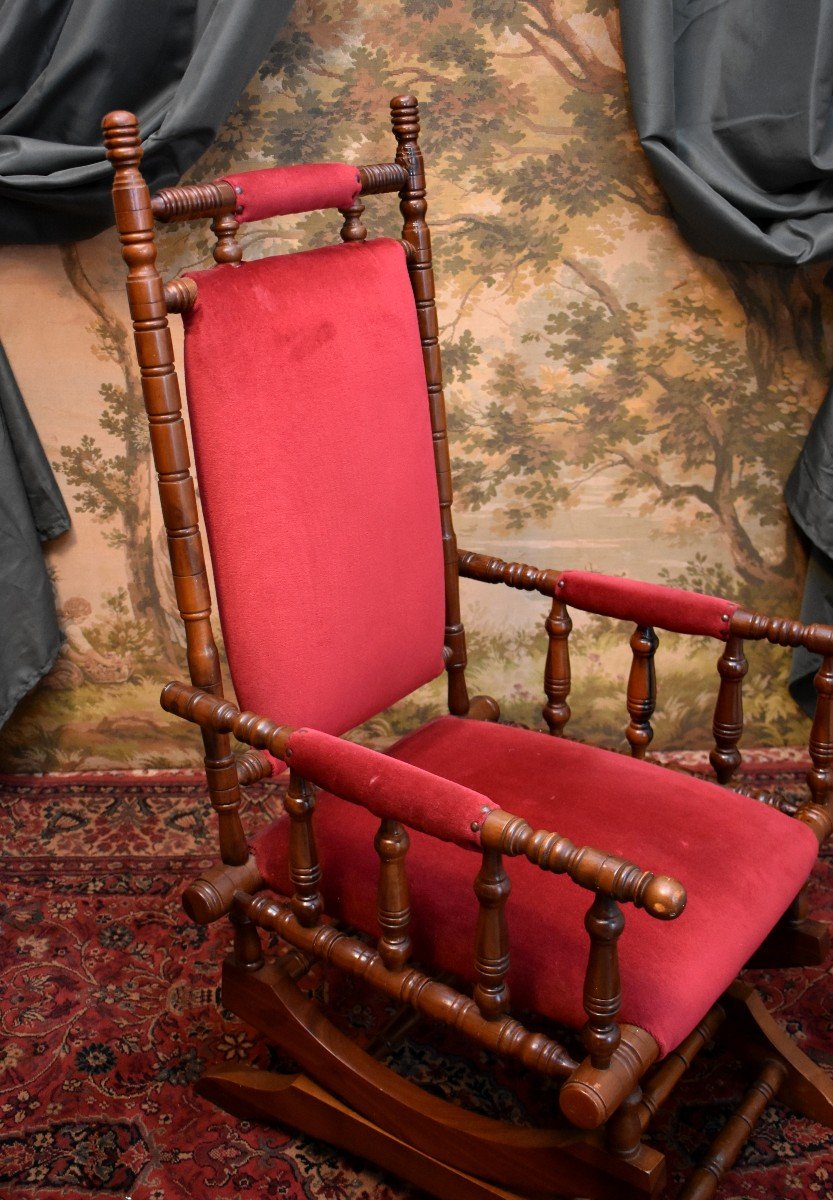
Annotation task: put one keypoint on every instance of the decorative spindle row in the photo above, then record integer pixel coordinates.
(503, 1035)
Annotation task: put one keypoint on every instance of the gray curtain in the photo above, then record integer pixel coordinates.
(180, 65)
(31, 511)
(733, 103)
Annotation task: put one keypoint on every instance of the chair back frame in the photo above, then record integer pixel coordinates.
(150, 301)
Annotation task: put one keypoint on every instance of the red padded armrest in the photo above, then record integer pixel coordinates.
(646, 603)
(279, 191)
(389, 787)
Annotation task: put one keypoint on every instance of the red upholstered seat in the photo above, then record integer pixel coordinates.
(721, 846)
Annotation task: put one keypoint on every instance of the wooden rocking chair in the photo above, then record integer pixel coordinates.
(317, 415)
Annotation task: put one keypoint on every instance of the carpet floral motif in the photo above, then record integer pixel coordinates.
(110, 1009)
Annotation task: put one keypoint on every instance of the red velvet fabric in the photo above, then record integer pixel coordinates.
(646, 603)
(278, 191)
(309, 416)
(740, 861)
(389, 787)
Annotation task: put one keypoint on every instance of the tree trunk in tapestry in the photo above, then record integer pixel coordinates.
(120, 486)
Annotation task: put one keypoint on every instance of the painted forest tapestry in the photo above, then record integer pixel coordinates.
(615, 401)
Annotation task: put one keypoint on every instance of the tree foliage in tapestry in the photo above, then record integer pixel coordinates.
(595, 364)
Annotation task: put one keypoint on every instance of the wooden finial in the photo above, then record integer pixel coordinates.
(121, 138)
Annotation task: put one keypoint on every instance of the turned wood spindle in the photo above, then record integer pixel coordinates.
(393, 900)
(304, 871)
(412, 205)
(602, 995)
(353, 229)
(642, 690)
(820, 777)
(169, 443)
(428, 996)
(557, 668)
(724, 1150)
(727, 726)
(226, 249)
(491, 957)
(248, 951)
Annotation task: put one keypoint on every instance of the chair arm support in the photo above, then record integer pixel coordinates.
(660, 895)
(646, 604)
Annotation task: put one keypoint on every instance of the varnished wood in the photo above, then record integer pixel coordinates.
(410, 986)
(297, 1102)
(210, 896)
(659, 1086)
(660, 895)
(226, 247)
(642, 690)
(602, 990)
(557, 668)
(180, 295)
(405, 121)
(353, 229)
(724, 1150)
(189, 201)
(248, 952)
(304, 870)
(590, 1097)
(393, 903)
(491, 952)
(609, 1096)
(382, 177)
(727, 726)
(754, 1032)
(536, 1161)
(160, 388)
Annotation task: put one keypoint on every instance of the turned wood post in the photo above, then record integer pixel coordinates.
(160, 388)
(642, 690)
(491, 956)
(393, 906)
(727, 726)
(304, 871)
(557, 668)
(602, 995)
(405, 121)
(354, 228)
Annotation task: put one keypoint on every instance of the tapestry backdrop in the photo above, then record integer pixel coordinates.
(616, 402)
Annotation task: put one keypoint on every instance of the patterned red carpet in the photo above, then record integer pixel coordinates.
(109, 1010)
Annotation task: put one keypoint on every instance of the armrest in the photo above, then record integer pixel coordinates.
(399, 791)
(655, 604)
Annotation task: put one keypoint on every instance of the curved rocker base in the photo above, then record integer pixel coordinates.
(371, 1111)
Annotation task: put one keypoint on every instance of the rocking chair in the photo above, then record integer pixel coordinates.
(316, 407)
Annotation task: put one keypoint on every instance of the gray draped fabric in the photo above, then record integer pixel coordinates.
(180, 65)
(31, 511)
(733, 102)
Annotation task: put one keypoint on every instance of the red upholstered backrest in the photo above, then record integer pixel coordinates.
(278, 191)
(309, 414)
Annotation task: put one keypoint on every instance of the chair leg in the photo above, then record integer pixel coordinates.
(806, 1088)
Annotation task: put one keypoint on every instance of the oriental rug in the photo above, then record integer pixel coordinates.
(109, 1010)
